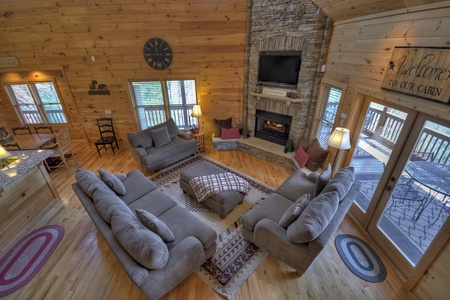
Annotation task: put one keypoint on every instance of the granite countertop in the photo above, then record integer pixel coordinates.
(20, 163)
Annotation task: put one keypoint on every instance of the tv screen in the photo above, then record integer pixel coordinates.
(279, 68)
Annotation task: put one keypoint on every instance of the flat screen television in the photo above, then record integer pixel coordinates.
(279, 68)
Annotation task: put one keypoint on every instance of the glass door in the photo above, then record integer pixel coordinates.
(382, 132)
(413, 210)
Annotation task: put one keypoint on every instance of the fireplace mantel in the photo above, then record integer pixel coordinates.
(278, 98)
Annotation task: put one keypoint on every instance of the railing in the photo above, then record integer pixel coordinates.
(385, 127)
(182, 116)
(54, 117)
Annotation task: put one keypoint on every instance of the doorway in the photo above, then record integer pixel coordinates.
(401, 157)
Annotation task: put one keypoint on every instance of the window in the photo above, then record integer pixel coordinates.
(154, 99)
(326, 115)
(36, 103)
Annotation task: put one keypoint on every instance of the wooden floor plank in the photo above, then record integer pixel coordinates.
(83, 267)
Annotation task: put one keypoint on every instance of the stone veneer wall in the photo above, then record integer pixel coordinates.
(278, 25)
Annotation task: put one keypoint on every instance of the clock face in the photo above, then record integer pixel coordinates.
(157, 54)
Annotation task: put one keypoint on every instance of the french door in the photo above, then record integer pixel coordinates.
(402, 159)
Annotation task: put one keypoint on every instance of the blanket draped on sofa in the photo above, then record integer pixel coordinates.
(209, 185)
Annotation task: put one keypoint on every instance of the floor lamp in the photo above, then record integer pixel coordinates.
(339, 139)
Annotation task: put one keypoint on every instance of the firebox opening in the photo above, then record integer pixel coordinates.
(272, 127)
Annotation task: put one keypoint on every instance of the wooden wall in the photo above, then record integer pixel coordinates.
(207, 38)
(359, 52)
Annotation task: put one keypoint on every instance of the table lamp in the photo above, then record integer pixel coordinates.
(3, 154)
(196, 113)
(340, 139)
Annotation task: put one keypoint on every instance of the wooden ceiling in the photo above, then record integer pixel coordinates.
(340, 10)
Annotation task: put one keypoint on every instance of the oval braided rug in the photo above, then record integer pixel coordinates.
(27, 257)
(360, 258)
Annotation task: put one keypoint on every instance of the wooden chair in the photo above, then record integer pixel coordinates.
(43, 129)
(11, 146)
(62, 149)
(21, 130)
(107, 135)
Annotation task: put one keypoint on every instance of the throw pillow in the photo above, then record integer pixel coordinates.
(314, 219)
(218, 124)
(121, 176)
(294, 211)
(322, 180)
(301, 157)
(229, 133)
(172, 128)
(113, 182)
(106, 202)
(317, 155)
(156, 225)
(341, 182)
(145, 246)
(160, 136)
(304, 144)
(139, 139)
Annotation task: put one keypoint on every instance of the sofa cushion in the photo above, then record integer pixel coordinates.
(121, 176)
(89, 181)
(161, 136)
(301, 157)
(137, 185)
(314, 219)
(145, 246)
(218, 124)
(155, 225)
(294, 211)
(296, 185)
(106, 201)
(140, 139)
(341, 182)
(112, 181)
(322, 180)
(317, 156)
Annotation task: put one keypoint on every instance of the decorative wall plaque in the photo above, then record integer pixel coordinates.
(98, 89)
(7, 62)
(419, 71)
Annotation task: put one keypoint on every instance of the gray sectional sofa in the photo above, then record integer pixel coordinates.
(295, 223)
(159, 146)
(157, 242)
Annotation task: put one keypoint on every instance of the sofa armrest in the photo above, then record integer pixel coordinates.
(272, 238)
(184, 259)
(184, 135)
(141, 151)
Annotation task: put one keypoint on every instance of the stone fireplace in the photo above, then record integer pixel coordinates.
(272, 127)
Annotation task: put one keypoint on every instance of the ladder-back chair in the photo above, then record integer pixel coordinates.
(11, 146)
(21, 130)
(107, 135)
(62, 149)
(43, 129)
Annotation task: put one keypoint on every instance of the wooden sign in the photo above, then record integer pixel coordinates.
(11, 61)
(419, 71)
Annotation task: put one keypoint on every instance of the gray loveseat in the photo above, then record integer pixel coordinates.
(157, 242)
(297, 221)
(159, 146)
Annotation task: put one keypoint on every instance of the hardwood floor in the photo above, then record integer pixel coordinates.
(83, 267)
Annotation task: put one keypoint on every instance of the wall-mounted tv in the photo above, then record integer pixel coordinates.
(279, 68)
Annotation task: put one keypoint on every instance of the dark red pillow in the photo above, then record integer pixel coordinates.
(219, 124)
(317, 156)
(301, 157)
(230, 133)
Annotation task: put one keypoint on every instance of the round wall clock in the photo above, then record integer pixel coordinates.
(158, 54)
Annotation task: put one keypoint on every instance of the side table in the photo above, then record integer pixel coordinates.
(200, 138)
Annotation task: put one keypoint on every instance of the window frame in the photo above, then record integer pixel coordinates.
(37, 100)
(166, 103)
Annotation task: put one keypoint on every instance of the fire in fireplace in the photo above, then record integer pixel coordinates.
(272, 127)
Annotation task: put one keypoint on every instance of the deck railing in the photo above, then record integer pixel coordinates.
(54, 117)
(385, 127)
(182, 116)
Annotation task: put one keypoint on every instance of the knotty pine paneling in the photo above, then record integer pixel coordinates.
(208, 39)
(359, 52)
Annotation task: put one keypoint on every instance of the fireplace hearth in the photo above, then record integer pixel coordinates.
(272, 127)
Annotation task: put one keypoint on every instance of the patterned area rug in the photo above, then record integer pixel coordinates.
(27, 257)
(235, 258)
(360, 258)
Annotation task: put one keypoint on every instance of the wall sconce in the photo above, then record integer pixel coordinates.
(196, 113)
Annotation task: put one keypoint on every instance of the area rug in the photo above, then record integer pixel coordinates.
(27, 257)
(360, 258)
(235, 258)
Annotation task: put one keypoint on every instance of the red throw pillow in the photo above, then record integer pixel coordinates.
(218, 124)
(301, 157)
(230, 133)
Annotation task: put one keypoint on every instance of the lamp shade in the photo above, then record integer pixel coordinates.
(3, 153)
(340, 138)
(196, 111)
